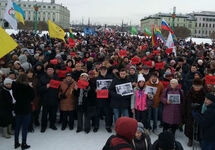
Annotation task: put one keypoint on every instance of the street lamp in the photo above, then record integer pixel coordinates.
(36, 8)
(173, 17)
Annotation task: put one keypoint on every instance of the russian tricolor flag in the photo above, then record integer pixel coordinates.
(165, 26)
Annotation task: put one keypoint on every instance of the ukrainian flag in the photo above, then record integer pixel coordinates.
(20, 15)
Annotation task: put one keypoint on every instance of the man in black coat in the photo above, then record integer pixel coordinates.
(103, 104)
(49, 98)
(76, 74)
(119, 103)
(206, 121)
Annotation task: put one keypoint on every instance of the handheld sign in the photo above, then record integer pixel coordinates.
(72, 54)
(144, 47)
(69, 69)
(210, 79)
(102, 93)
(54, 61)
(148, 63)
(62, 73)
(54, 84)
(122, 53)
(135, 60)
(156, 52)
(169, 50)
(82, 84)
(159, 66)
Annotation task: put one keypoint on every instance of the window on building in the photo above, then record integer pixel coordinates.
(196, 24)
(195, 31)
(29, 6)
(203, 25)
(206, 25)
(213, 25)
(209, 32)
(209, 25)
(44, 19)
(54, 19)
(49, 7)
(29, 18)
(53, 7)
(199, 31)
(44, 6)
(199, 24)
(203, 19)
(24, 5)
(206, 32)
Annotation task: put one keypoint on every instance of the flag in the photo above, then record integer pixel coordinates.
(174, 37)
(71, 39)
(165, 26)
(55, 31)
(154, 39)
(9, 15)
(133, 30)
(86, 31)
(147, 32)
(159, 34)
(170, 43)
(19, 13)
(7, 44)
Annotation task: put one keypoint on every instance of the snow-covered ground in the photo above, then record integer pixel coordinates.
(70, 140)
(200, 40)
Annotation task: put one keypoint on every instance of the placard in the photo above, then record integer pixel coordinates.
(102, 93)
(148, 63)
(159, 66)
(68, 69)
(82, 84)
(62, 73)
(150, 90)
(54, 61)
(103, 84)
(156, 52)
(54, 84)
(122, 53)
(72, 54)
(174, 98)
(124, 89)
(169, 50)
(210, 79)
(135, 60)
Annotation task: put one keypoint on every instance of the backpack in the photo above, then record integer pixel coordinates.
(116, 147)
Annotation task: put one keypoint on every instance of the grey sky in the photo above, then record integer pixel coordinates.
(113, 11)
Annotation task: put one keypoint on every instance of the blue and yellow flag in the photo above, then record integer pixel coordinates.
(19, 13)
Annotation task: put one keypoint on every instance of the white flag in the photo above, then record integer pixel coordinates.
(170, 43)
(9, 15)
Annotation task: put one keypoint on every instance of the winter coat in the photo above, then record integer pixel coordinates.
(178, 146)
(103, 102)
(6, 106)
(67, 104)
(191, 97)
(24, 63)
(143, 144)
(48, 96)
(40, 73)
(206, 123)
(157, 96)
(132, 78)
(172, 113)
(139, 100)
(118, 101)
(24, 95)
(76, 74)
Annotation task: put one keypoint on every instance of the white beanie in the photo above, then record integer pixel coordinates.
(7, 81)
(140, 78)
(174, 81)
(84, 74)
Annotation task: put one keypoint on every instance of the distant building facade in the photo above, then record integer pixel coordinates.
(180, 21)
(55, 12)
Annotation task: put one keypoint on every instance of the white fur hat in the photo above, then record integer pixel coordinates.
(140, 78)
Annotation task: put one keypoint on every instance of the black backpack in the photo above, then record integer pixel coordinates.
(116, 147)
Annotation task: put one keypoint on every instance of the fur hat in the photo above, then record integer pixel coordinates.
(141, 78)
(197, 82)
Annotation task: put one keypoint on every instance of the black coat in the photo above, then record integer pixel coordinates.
(5, 107)
(207, 123)
(24, 95)
(76, 74)
(118, 101)
(143, 144)
(178, 146)
(103, 102)
(49, 96)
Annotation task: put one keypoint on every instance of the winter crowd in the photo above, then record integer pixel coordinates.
(114, 78)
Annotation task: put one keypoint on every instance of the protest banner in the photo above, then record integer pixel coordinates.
(148, 63)
(54, 84)
(159, 66)
(122, 53)
(82, 84)
(124, 89)
(62, 73)
(169, 50)
(72, 54)
(210, 79)
(135, 60)
(54, 61)
(156, 52)
(102, 93)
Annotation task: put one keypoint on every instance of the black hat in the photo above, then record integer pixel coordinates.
(103, 67)
(12, 72)
(210, 96)
(166, 140)
(50, 66)
(146, 67)
(68, 74)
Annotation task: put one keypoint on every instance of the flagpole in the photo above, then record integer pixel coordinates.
(36, 8)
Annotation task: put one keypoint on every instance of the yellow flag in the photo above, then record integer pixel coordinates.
(55, 31)
(7, 44)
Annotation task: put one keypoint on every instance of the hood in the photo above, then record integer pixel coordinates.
(38, 64)
(126, 127)
(23, 59)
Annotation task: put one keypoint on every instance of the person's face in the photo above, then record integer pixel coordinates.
(193, 69)
(122, 74)
(115, 71)
(21, 72)
(50, 71)
(126, 60)
(98, 66)
(78, 67)
(69, 64)
(91, 76)
(12, 76)
(84, 78)
(208, 102)
(154, 79)
(30, 75)
(173, 85)
(209, 86)
(103, 72)
(197, 87)
(17, 66)
(145, 71)
(196, 76)
(138, 134)
(141, 83)
(68, 78)
(8, 85)
(132, 71)
(38, 67)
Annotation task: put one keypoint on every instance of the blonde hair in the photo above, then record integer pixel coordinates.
(174, 81)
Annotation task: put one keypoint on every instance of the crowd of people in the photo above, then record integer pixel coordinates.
(94, 81)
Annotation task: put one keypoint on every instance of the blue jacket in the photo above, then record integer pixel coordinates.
(207, 123)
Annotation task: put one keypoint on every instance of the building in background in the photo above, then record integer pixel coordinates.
(205, 23)
(181, 20)
(47, 10)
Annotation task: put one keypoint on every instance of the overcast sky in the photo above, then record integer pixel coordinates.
(114, 11)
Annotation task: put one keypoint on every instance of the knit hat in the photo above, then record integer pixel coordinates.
(197, 82)
(210, 96)
(166, 140)
(68, 74)
(141, 78)
(132, 67)
(84, 74)
(7, 81)
(140, 127)
(17, 62)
